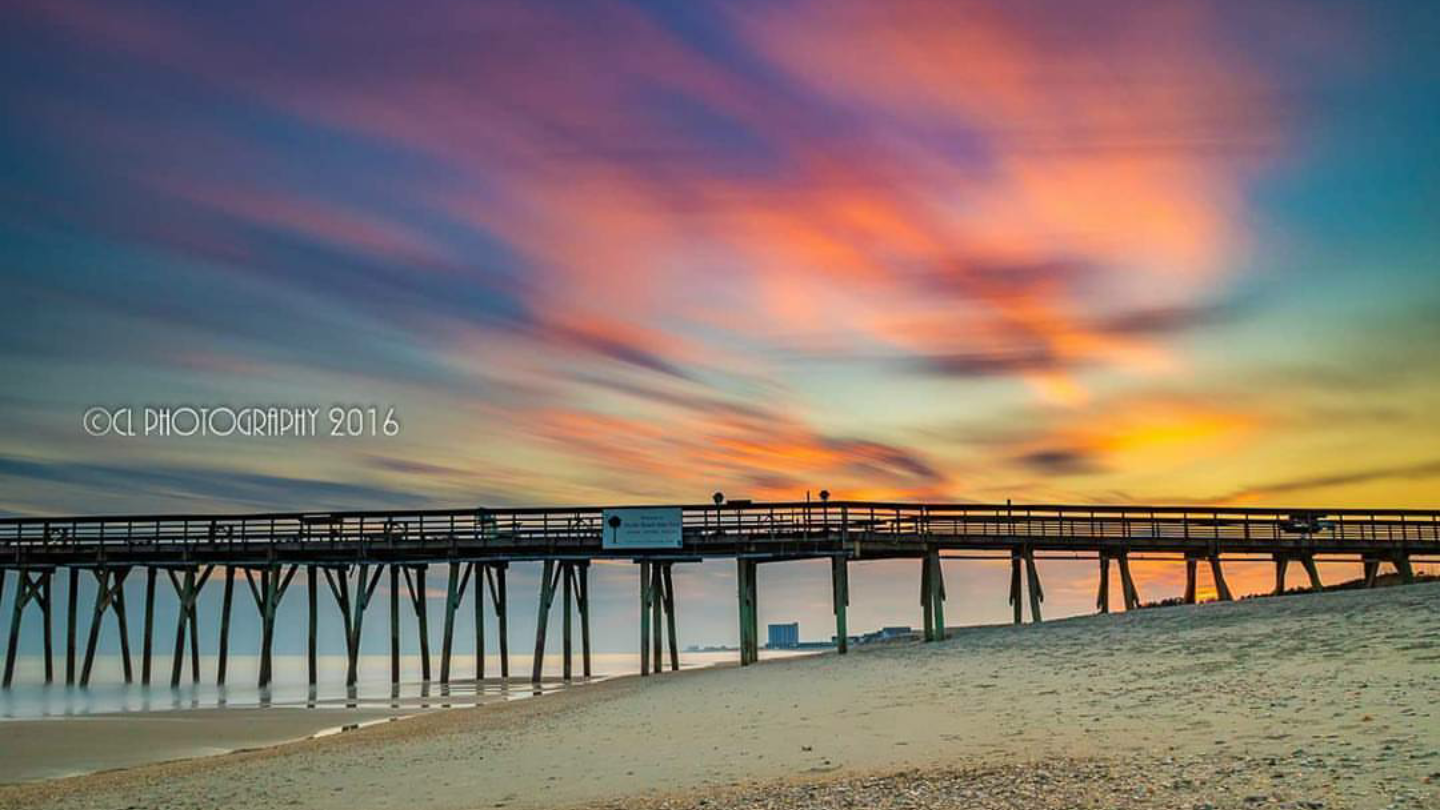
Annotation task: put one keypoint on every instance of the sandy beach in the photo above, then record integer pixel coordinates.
(1308, 701)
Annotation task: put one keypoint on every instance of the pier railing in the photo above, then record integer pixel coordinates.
(755, 525)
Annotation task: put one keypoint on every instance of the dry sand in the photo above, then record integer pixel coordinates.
(1314, 701)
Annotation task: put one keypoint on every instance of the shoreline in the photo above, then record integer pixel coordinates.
(1328, 691)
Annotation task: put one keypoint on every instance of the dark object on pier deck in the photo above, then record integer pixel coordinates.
(352, 550)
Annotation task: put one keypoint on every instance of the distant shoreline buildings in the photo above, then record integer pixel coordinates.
(786, 636)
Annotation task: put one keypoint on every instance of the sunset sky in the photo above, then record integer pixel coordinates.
(596, 253)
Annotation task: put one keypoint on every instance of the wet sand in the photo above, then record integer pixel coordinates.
(58, 747)
(1301, 701)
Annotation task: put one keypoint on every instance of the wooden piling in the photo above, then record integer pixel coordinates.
(1102, 601)
(669, 605)
(29, 588)
(1016, 595)
(567, 584)
(228, 597)
(1281, 563)
(455, 589)
(1401, 561)
(645, 583)
(1190, 577)
(479, 573)
(146, 643)
(1037, 594)
(1372, 570)
(497, 589)
(1308, 561)
(584, 599)
(547, 595)
(1127, 582)
(1218, 574)
(422, 613)
(657, 628)
(394, 623)
(840, 600)
(71, 594)
(312, 599)
(45, 619)
(927, 605)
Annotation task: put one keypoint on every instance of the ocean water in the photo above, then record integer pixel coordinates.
(30, 697)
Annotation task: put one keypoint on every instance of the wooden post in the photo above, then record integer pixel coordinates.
(547, 595)
(454, 591)
(394, 623)
(840, 600)
(752, 581)
(118, 609)
(478, 574)
(645, 583)
(416, 575)
(1308, 561)
(1127, 583)
(937, 585)
(311, 598)
(186, 593)
(267, 599)
(927, 604)
(567, 585)
(585, 617)
(223, 662)
(1372, 570)
(1037, 594)
(70, 597)
(1190, 576)
(657, 629)
(669, 598)
(497, 590)
(17, 611)
(1102, 601)
(102, 603)
(1017, 596)
(1401, 562)
(45, 615)
(1281, 562)
(1220, 587)
(147, 643)
(354, 611)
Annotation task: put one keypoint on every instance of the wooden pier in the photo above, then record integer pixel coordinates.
(353, 550)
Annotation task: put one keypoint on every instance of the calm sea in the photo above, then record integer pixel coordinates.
(29, 697)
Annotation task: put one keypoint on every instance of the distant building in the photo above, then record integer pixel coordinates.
(784, 636)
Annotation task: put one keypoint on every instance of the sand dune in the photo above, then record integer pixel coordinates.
(1301, 701)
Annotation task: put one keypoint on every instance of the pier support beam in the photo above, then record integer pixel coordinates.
(1308, 561)
(352, 612)
(273, 584)
(1372, 570)
(583, 602)
(32, 585)
(1128, 592)
(312, 598)
(1191, 564)
(187, 591)
(147, 644)
(458, 581)
(109, 596)
(72, 594)
(1281, 563)
(932, 595)
(549, 579)
(495, 575)
(1401, 561)
(840, 600)
(1222, 590)
(1026, 558)
(646, 584)
(749, 610)
(415, 587)
(229, 596)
